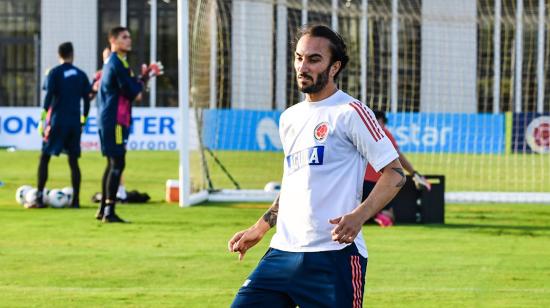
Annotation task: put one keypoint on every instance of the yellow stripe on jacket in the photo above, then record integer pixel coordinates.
(118, 134)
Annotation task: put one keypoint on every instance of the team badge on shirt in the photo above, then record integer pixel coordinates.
(321, 132)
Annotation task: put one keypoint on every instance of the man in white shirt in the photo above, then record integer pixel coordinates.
(318, 256)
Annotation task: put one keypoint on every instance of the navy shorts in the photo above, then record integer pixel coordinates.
(306, 279)
(113, 140)
(64, 139)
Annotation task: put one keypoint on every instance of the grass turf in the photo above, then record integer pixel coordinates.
(486, 255)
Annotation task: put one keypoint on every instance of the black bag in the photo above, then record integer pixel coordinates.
(135, 196)
(132, 196)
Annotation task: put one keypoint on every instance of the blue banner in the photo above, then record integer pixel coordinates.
(152, 129)
(242, 130)
(448, 132)
(531, 133)
(250, 130)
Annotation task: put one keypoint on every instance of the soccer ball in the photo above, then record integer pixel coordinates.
(272, 186)
(57, 198)
(20, 193)
(68, 191)
(30, 197)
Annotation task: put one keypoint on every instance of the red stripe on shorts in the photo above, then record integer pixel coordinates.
(356, 281)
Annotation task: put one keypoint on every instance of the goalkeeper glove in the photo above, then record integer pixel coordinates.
(420, 182)
(83, 120)
(153, 70)
(156, 69)
(42, 122)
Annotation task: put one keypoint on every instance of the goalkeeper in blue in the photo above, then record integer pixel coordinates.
(118, 88)
(62, 121)
(317, 256)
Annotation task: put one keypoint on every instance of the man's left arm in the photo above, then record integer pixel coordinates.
(246, 239)
(348, 226)
(371, 142)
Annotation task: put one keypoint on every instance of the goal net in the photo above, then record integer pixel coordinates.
(465, 86)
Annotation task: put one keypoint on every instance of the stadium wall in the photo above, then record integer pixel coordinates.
(252, 55)
(449, 56)
(456, 42)
(69, 20)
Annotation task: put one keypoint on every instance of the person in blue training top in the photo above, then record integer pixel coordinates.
(62, 121)
(117, 89)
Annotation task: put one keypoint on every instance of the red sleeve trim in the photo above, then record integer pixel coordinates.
(373, 129)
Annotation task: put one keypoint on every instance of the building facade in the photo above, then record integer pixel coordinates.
(406, 55)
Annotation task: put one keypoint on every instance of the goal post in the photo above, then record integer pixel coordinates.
(183, 99)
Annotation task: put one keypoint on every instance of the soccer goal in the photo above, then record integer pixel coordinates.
(464, 84)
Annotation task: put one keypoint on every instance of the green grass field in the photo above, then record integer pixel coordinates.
(486, 255)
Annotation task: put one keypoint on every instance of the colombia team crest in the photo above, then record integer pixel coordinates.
(321, 132)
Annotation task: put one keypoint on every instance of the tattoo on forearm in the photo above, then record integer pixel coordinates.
(271, 215)
(403, 178)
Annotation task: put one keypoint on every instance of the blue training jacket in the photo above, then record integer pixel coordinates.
(65, 86)
(118, 88)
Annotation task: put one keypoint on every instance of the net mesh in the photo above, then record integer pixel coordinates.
(430, 64)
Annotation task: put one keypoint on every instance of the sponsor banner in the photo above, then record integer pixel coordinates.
(243, 130)
(415, 132)
(248, 130)
(448, 132)
(531, 133)
(152, 129)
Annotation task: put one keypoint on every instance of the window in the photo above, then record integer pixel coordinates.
(19, 52)
(139, 25)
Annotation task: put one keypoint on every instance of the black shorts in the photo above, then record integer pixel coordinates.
(64, 139)
(114, 140)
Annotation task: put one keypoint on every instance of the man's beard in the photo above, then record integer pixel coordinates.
(322, 80)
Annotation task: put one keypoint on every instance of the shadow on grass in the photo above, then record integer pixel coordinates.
(520, 228)
(486, 226)
(239, 205)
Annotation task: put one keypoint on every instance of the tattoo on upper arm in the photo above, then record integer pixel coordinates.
(271, 215)
(401, 183)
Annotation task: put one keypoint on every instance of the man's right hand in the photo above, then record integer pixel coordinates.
(156, 69)
(244, 240)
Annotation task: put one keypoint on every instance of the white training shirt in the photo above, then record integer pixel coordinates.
(327, 145)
